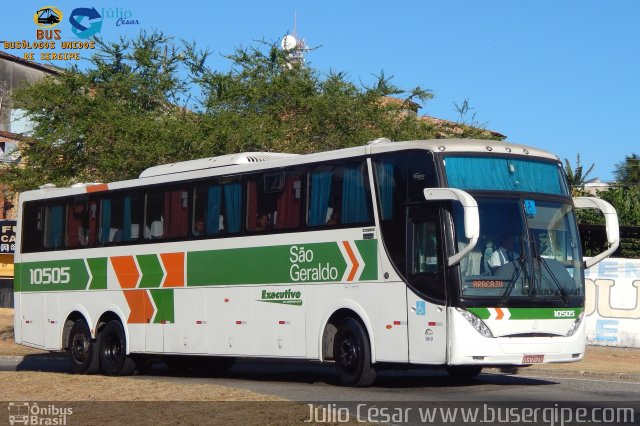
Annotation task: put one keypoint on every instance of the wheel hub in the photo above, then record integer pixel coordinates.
(80, 348)
(349, 353)
(112, 348)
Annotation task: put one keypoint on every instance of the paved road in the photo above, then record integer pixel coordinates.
(303, 381)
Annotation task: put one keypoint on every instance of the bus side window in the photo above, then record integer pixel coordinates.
(119, 218)
(390, 173)
(260, 208)
(320, 210)
(77, 228)
(274, 200)
(53, 226)
(208, 216)
(166, 213)
(356, 198)
(339, 195)
(289, 202)
(32, 235)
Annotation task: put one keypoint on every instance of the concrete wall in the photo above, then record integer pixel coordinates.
(15, 73)
(613, 303)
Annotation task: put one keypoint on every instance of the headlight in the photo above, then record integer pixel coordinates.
(476, 322)
(575, 325)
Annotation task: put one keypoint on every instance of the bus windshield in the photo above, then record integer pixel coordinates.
(528, 248)
(491, 173)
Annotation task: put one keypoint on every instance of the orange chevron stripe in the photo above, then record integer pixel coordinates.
(140, 305)
(174, 267)
(353, 259)
(500, 313)
(126, 271)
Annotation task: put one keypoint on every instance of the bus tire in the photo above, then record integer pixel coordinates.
(463, 371)
(113, 351)
(352, 353)
(82, 349)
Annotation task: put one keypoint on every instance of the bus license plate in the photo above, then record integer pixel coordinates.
(532, 359)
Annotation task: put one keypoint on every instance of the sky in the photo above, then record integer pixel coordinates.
(558, 75)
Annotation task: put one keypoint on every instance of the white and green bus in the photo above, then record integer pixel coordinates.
(459, 253)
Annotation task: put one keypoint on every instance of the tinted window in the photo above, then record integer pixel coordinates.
(119, 218)
(32, 227)
(505, 174)
(274, 200)
(166, 213)
(217, 208)
(339, 195)
(81, 222)
(53, 226)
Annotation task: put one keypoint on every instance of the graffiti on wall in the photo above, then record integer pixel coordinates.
(612, 306)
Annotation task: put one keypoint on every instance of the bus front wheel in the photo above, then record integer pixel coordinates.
(113, 351)
(352, 353)
(82, 349)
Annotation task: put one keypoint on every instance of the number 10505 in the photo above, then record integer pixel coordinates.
(50, 275)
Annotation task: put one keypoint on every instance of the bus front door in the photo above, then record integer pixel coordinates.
(426, 297)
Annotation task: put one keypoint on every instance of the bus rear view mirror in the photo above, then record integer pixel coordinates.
(611, 222)
(471, 216)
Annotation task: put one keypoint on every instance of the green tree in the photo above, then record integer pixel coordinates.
(627, 172)
(128, 110)
(111, 120)
(626, 201)
(576, 176)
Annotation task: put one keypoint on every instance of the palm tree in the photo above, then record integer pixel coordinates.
(576, 177)
(627, 172)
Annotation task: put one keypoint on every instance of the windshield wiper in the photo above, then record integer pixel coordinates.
(563, 293)
(541, 261)
(516, 274)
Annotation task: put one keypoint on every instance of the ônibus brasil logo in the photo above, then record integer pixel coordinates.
(287, 297)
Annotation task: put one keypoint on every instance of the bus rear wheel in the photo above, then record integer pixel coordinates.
(82, 349)
(113, 351)
(352, 353)
(463, 371)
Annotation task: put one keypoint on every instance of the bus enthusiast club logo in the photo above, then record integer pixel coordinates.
(47, 17)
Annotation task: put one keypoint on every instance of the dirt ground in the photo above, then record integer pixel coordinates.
(600, 360)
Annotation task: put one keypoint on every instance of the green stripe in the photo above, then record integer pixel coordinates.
(482, 313)
(98, 268)
(269, 265)
(151, 270)
(295, 302)
(531, 313)
(296, 264)
(163, 299)
(58, 275)
(369, 251)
